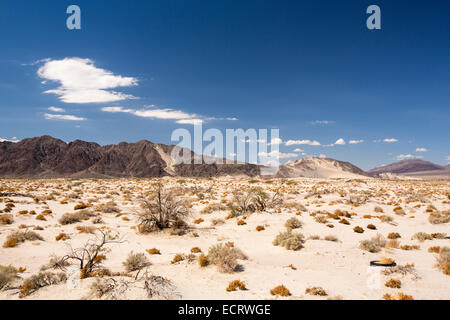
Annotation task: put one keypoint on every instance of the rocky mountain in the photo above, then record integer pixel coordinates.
(406, 167)
(321, 168)
(47, 157)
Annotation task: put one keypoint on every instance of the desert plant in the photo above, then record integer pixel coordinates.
(422, 236)
(6, 219)
(135, 262)
(162, 210)
(260, 228)
(62, 236)
(280, 291)
(316, 291)
(373, 245)
(153, 251)
(293, 223)
(358, 229)
(236, 284)
(371, 227)
(289, 240)
(439, 217)
(7, 274)
(196, 250)
(203, 260)
(40, 280)
(394, 235)
(18, 237)
(225, 257)
(397, 296)
(435, 249)
(443, 261)
(393, 283)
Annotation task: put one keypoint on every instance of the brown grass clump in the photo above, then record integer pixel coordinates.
(394, 235)
(316, 291)
(289, 240)
(344, 221)
(378, 209)
(435, 249)
(235, 285)
(7, 274)
(70, 218)
(86, 229)
(41, 218)
(371, 227)
(40, 280)
(398, 296)
(203, 261)
(408, 247)
(153, 251)
(260, 228)
(80, 206)
(393, 244)
(373, 245)
(62, 236)
(443, 261)
(358, 229)
(438, 235)
(393, 283)
(331, 238)
(178, 258)
(198, 221)
(422, 236)
(399, 211)
(135, 262)
(6, 219)
(196, 250)
(241, 222)
(19, 237)
(225, 258)
(280, 291)
(439, 217)
(293, 223)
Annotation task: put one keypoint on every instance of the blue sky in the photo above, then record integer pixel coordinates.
(141, 69)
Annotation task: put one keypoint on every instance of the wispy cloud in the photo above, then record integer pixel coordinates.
(407, 156)
(355, 141)
(67, 117)
(278, 154)
(390, 140)
(421, 149)
(324, 122)
(13, 139)
(55, 109)
(340, 142)
(302, 142)
(153, 112)
(80, 81)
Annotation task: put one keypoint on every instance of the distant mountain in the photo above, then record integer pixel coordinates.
(47, 157)
(406, 167)
(321, 168)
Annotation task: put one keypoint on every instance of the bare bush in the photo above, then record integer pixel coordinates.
(289, 240)
(225, 257)
(373, 245)
(7, 274)
(40, 280)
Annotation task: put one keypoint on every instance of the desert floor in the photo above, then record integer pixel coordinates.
(330, 255)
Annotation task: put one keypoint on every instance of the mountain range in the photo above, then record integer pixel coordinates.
(48, 157)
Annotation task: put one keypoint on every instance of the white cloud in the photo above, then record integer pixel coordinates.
(340, 142)
(49, 116)
(390, 140)
(302, 142)
(323, 156)
(407, 156)
(13, 139)
(298, 150)
(278, 154)
(55, 109)
(323, 122)
(275, 141)
(448, 158)
(80, 81)
(355, 141)
(421, 149)
(152, 112)
(190, 121)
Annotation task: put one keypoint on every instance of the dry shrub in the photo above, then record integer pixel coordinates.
(203, 261)
(135, 262)
(386, 219)
(235, 285)
(196, 250)
(331, 238)
(7, 274)
(443, 261)
(394, 235)
(435, 249)
(178, 258)
(386, 261)
(102, 286)
(373, 245)
(397, 296)
(80, 206)
(62, 236)
(393, 244)
(213, 207)
(163, 209)
(402, 270)
(217, 222)
(241, 223)
(438, 235)
(378, 209)
(86, 229)
(371, 227)
(153, 251)
(293, 223)
(344, 221)
(422, 236)
(358, 229)
(316, 291)
(6, 219)
(70, 218)
(19, 237)
(260, 228)
(280, 291)
(225, 257)
(399, 211)
(408, 247)
(41, 218)
(40, 280)
(439, 217)
(109, 207)
(198, 221)
(393, 283)
(289, 240)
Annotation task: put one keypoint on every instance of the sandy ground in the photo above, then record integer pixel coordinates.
(340, 267)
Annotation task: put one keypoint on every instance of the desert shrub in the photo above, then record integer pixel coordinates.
(135, 262)
(435, 249)
(438, 235)
(254, 200)
(196, 250)
(80, 206)
(109, 207)
(358, 229)
(373, 245)
(70, 218)
(55, 262)
(422, 236)
(225, 257)
(62, 236)
(102, 286)
(41, 217)
(293, 223)
(331, 238)
(260, 228)
(213, 207)
(378, 209)
(399, 211)
(393, 283)
(394, 235)
(409, 247)
(18, 237)
(162, 210)
(7, 274)
(397, 296)
(86, 229)
(203, 260)
(316, 291)
(280, 291)
(321, 219)
(153, 251)
(371, 227)
(40, 280)
(6, 219)
(241, 222)
(289, 240)
(217, 222)
(344, 221)
(236, 284)
(443, 261)
(439, 217)
(178, 258)
(402, 270)
(386, 219)
(393, 244)
(198, 221)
